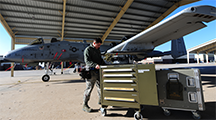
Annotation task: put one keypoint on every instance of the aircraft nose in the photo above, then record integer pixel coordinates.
(3, 60)
(7, 56)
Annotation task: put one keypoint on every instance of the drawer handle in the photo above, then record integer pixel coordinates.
(118, 81)
(118, 89)
(119, 99)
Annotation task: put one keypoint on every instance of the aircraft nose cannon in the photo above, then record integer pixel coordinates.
(11, 56)
(6, 57)
(4, 60)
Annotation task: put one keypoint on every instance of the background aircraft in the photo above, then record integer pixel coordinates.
(137, 47)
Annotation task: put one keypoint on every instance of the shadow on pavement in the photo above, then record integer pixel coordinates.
(209, 81)
(156, 113)
(67, 81)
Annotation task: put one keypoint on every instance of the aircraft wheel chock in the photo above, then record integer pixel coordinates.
(46, 78)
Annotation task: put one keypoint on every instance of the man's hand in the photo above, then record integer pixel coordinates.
(97, 66)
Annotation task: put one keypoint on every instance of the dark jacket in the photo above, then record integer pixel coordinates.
(92, 56)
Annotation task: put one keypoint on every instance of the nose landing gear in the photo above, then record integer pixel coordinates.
(46, 78)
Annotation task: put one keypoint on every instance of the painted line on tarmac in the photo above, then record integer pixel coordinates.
(26, 82)
(16, 83)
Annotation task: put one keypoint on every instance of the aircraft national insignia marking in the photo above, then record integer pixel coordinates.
(74, 49)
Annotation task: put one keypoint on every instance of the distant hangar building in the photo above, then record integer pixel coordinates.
(208, 48)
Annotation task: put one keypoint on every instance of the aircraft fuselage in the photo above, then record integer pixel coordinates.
(50, 52)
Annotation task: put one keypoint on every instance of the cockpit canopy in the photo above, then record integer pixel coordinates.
(37, 41)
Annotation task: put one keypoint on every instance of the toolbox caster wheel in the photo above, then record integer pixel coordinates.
(103, 111)
(196, 115)
(167, 112)
(54, 73)
(46, 78)
(138, 116)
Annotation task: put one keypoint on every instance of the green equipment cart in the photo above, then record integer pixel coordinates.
(136, 85)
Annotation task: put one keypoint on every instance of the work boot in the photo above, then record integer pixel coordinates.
(86, 108)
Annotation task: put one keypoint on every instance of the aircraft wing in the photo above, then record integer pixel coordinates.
(182, 23)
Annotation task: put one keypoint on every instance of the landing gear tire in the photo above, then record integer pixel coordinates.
(196, 115)
(138, 116)
(46, 78)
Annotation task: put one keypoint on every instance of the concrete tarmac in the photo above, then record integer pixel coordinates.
(26, 97)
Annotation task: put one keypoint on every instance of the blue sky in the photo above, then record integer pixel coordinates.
(191, 40)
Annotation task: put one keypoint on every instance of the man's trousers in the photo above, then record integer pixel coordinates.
(95, 79)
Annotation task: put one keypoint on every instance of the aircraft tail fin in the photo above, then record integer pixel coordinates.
(178, 48)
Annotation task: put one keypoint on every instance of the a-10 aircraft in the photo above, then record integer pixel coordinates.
(137, 47)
